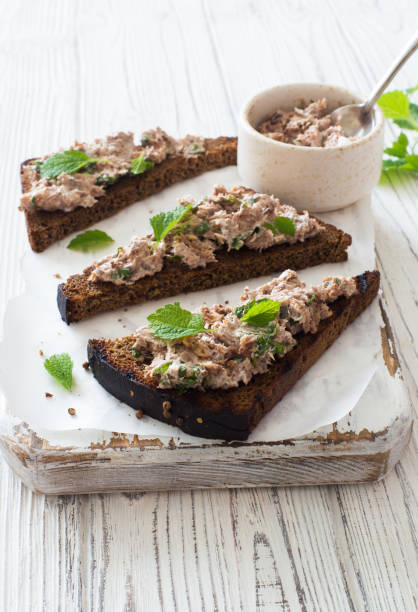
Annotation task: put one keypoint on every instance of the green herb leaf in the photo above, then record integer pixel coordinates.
(91, 240)
(261, 313)
(392, 164)
(282, 225)
(411, 163)
(165, 222)
(399, 148)
(172, 322)
(394, 104)
(162, 369)
(61, 368)
(124, 273)
(195, 149)
(135, 353)
(202, 228)
(69, 162)
(141, 164)
(405, 124)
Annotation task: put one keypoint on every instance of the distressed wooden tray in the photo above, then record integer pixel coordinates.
(363, 446)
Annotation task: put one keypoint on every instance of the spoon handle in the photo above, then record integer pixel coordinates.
(393, 70)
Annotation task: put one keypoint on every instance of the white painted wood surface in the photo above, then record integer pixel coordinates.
(81, 69)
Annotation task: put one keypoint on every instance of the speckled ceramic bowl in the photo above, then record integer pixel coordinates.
(313, 178)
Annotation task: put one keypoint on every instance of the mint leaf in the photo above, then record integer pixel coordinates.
(172, 322)
(61, 368)
(394, 104)
(261, 313)
(392, 164)
(68, 161)
(282, 225)
(165, 222)
(413, 109)
(140, 164)
(400, 147)
(91, 240)
(411, 163)
(405, 124)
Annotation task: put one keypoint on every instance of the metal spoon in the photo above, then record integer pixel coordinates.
(357, 119)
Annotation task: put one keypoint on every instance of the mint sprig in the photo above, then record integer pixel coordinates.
(172, 322)
(282, 225)
(163, 223)
(61, 368)
(397, 106)
(70, 162)
(141, 164)
(261, 313)
(91, 240)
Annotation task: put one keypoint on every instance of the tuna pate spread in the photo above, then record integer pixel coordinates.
(62, 184)
(234, 345)
(309, 127)
(228, 219)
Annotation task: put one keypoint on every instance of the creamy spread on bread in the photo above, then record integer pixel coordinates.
(114, 155)
(309, 127)
(230, 351)
(229, 219)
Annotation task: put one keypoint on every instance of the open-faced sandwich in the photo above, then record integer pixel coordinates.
(216, 372)
(228, 236)
(71, 189)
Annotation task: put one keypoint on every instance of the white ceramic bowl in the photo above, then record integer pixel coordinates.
(313, 178)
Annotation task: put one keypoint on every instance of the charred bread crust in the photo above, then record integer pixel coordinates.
(229, 414)
(80, 298)
(46, 227)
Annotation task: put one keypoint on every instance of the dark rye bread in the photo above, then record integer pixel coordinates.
(80, 298)
(229, 414)
(46, 227)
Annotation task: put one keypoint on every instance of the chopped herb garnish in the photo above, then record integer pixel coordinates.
(61, 368)
(70, 162)
(172, 322)
(162, 369)
(141, 164)
(105, 179)
(124, 273)
(194, 149)
(145, 140)
(311, 299)
(91, 240)
(282, 225)
(165, 222)
(202, 228)
(136, 353)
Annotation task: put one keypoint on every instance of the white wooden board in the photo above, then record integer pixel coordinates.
(72, 67)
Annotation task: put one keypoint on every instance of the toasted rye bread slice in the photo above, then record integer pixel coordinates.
(80, 298)
(46, 227)
(229, 414)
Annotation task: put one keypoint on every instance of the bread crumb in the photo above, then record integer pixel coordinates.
(86, 365)
(139, 413)
(131, 393)
(47, 394)
(166, 410)
(171, 444)
(71, 411)
(119, 320)
(226, 301)
(41, 352)
(57, 275)
(179, 421)
(125, 310)
(199, 420)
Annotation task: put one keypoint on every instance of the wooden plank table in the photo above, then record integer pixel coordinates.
(82, 69)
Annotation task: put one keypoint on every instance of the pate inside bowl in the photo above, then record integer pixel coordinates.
(315, 178)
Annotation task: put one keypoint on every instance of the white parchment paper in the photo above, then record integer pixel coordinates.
(32, 324)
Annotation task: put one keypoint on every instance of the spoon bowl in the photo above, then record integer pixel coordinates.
(354, 120)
